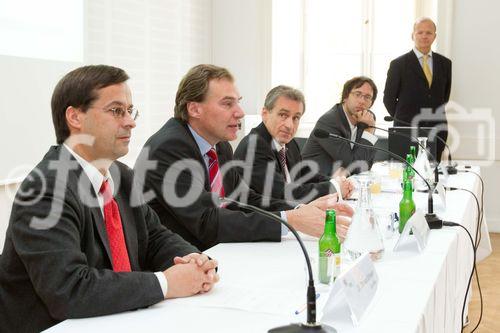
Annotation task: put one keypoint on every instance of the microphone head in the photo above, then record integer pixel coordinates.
(321, 134)
(388, 118)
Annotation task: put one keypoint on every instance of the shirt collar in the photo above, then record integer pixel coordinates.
(203, 144)
(278, 146)
(96, 178)
(420, 54)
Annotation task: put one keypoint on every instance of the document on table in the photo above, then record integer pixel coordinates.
(280, 302)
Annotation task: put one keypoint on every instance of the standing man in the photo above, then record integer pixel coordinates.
(81, 242)
(351, 119)
(277, 166)
(189, 160)
(419, 80)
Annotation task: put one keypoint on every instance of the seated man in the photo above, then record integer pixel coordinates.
(81, 242)
(351, 119)
(272, 156)
(191, 155)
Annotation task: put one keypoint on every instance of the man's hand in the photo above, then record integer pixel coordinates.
(325, 202)
(368, 118)
(310, 219)
(202, 260)
(346, 186)
(191, 274)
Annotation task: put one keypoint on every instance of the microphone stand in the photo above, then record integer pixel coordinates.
(436, 172)
(450, 168)
(311, 325)
(432, 219)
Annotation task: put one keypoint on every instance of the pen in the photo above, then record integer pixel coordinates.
(303, 307)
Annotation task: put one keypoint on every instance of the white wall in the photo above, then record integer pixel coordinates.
(475, 52)
(241, 34)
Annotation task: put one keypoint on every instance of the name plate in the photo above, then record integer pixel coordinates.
(420, 228)
(441, 192)
(354, 289)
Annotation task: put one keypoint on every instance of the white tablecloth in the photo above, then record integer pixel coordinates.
(263, 283)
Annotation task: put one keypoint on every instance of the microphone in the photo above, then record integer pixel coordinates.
(432, 219)
(450, 168)
(311, 325)
(436, 172)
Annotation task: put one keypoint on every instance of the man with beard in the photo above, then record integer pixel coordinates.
(350, 119)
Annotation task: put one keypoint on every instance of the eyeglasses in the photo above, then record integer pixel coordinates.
(119, 112)
(359, 94)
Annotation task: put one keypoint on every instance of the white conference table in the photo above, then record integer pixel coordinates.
(263, 283)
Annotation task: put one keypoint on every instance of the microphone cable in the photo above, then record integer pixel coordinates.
(478, 240)
(480, 215)
(482, 198)
(453, 224)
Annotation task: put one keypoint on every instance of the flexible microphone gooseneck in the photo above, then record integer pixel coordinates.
(450, 168)
(436, 172)
(432, 219)
(311, 325)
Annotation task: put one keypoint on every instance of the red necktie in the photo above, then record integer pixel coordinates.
(114, 229)
(214, 173)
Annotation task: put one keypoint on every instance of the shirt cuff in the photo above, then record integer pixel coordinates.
(163, 283)
(337, 188)
(284, 229)
(370, 137)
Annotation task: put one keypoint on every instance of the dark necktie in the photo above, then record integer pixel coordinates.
(114, 229)
(282, 156)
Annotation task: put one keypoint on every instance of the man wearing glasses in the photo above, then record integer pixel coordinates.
(351, 119)
(81, 241)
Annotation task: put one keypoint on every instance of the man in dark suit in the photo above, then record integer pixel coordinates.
(351, 119)
(418, 84)
(190, 154)
(73, 248)
(270, 149)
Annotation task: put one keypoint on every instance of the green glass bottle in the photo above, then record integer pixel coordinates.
(413, 152)
(406, 206)
(409, 173)
(329, 250)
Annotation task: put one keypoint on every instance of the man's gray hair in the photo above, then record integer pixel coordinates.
(285, 91)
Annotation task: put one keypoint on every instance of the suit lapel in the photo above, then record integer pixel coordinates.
(417, 68)
(436, 69)
(101, 229)
(198, 156)
(264, 133)
(346, 128)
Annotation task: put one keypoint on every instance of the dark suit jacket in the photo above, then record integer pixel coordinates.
(175, 151)
(330, 153)
(51, 274)
(407, 91)
(262, 152)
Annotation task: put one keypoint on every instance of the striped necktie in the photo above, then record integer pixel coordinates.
(214, 173)
(427, 69)
(282, 157)
(114, 229)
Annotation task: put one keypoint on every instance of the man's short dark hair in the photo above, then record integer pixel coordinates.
(355, 83)
(194, 87)
(78, 89)
(285, 91)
